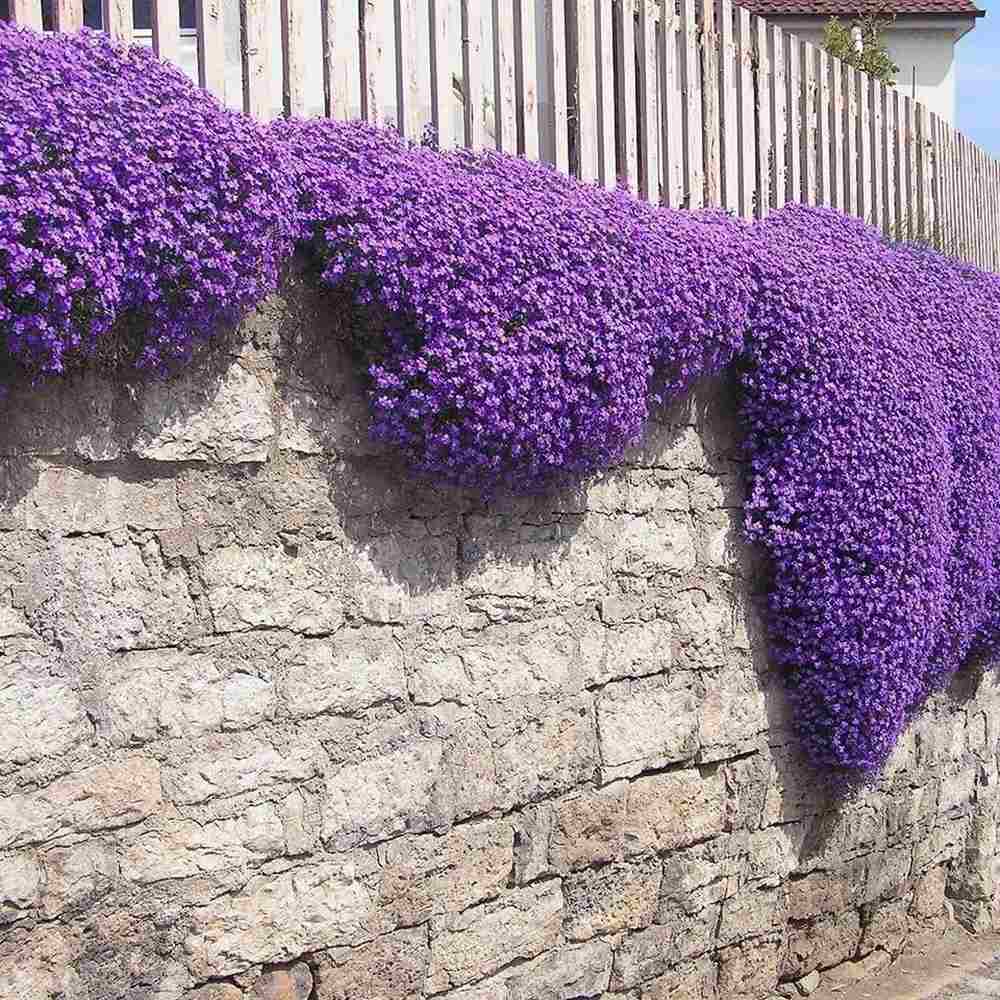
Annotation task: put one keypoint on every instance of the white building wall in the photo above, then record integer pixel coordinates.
(923, 49)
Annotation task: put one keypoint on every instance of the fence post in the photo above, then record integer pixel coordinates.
(649, 127)
(583, 31)
(554, 54)
(504, 76)
(211, 46)
(253, 55)
(117, 19)
(729, 136)
(672, 108)
(606, 93)
(67, 16)
(710, 57)
(765, 92)
(746, 114)
(779, 116)
(27, 13)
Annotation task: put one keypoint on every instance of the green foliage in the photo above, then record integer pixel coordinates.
(873, 58)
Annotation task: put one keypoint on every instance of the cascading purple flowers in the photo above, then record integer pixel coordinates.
(524, 326)
(532, 319)
(125, 193)
(873, 430)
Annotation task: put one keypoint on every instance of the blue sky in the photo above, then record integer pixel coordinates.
(977, 72)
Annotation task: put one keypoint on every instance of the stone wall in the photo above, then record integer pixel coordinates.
(278, 722)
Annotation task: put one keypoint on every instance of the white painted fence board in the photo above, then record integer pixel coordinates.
(837, 133)
(807, 56)
(527, 55)
(779, 115)
(586, 130)
(607, 166)
(67, 16)
(117, 20)
(864, 207)
(793, 85)
(877, 107)
(442, 45)
(409, 116)
(672, 107)
(746, 114)
(649, 129)
(711, 115)
(341, 26)
(211, 45)
(27, 13)
(823, 139)
(729, 133)
(850, 154)
(473, 77)
(253, 54)
(505, 76)
(554, 53)
(628, 141)
(765, 98)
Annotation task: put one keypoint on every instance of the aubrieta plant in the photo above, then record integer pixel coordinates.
(531, 320)
(520, 327)
(126, 194)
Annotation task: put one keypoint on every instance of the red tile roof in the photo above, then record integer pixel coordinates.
(827, 8)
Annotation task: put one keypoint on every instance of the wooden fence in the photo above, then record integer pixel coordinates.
(688, 104)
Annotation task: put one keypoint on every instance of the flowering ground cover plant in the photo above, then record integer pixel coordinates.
(532, 320)
(527, 324)
(126, 194)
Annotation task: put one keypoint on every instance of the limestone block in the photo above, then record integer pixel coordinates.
(643, 550)
(345, 673)
(689, 981)
(42, 715)
(613, 898)
(276, 918)
(392, 578)
(169, 693)
(428, 875)
(630, 650)
(78, 875)
(504, 662)
(91, 591)
(646, 724)
(848, 973)
(588, 828)
(827, 891)
(748, 970)
(661, 948)
(21, 882)
(485, 938)
(928, 893)
(222, 766)
(732, 713)
(272, 588)
(666, 811)
(47, 418)
(566, 973)
(101, 797)
(179, 848)
(887, 928)
(752, 913)
(545, 750)
(392, 967)
(211, 418)
(532, 828)
(39, 966)
(69, 500)
(293, 983)
(392, 792)
(821, 944)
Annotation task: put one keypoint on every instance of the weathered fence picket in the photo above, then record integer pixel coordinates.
(689, 103)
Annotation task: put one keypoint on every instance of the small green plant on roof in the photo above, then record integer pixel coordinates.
(861, 44)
